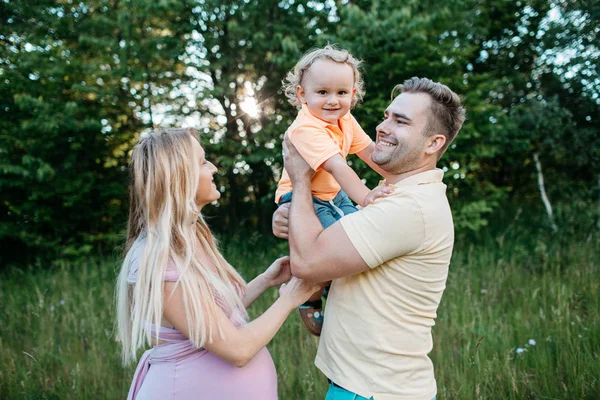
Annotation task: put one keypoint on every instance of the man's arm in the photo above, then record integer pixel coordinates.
(315, 254)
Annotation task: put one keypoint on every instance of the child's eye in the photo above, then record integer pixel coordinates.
(342, 93)
(322, 92)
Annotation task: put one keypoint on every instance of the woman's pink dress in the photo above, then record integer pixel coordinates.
(177, 370)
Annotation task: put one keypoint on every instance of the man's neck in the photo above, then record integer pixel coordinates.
(392, 179)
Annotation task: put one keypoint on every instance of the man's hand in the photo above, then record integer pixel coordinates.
(281, 221)
(294, 164)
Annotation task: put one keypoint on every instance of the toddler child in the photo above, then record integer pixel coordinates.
(325, 84)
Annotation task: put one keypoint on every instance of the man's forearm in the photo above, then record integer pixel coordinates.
(304, 225)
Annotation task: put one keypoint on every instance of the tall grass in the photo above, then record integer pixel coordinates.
(519, 319)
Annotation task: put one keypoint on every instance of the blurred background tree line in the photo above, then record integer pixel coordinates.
(79, 81)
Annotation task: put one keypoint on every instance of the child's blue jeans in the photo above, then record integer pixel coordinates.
(327, 211)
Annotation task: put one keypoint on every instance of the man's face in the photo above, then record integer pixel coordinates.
(400, 144)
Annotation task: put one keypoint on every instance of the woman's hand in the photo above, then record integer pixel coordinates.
(278, 272)
(297, 291)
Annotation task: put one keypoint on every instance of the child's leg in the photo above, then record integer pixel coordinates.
(343, 202)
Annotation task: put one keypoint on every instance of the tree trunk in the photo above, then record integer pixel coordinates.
(547, 205)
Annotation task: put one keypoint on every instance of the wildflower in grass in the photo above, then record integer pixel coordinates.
(520, 350)
(62, 302)
(52, 308)
(531, 342)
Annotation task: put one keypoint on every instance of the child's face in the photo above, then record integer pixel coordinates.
(327, 89)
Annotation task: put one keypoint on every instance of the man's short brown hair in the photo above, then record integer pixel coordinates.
(448, 114)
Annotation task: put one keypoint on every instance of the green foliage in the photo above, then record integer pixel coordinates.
(79, 82)
(244, 49)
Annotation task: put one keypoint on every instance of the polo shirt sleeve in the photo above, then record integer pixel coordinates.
(360, 140)
(388, 228)
(314, 145)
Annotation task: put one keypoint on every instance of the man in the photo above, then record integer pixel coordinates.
(389, 261)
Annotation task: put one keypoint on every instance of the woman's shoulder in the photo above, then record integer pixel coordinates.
(134, 259)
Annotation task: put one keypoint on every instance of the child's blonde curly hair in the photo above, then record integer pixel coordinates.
(295, 76)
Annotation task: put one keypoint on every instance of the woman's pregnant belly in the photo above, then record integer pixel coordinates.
(206, 376)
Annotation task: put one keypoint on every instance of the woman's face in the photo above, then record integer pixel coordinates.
(207, 190)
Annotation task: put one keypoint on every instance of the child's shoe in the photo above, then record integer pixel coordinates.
(311, 313)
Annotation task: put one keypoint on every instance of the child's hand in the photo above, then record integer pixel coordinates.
(379, 191)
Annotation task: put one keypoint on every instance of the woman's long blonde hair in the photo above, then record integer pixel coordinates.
(165, 224)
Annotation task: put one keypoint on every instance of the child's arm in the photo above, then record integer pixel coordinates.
(350, 182)
(365, 155)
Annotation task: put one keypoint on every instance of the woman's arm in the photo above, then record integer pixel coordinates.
(254, 289)
(240, 344)
(277, 273)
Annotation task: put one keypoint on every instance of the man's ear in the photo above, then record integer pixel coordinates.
(300, 94)
(435, 143)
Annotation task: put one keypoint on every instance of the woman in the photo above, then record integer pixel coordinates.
(176, 291)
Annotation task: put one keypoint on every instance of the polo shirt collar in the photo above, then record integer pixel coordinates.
(423, 178)
(307, 114)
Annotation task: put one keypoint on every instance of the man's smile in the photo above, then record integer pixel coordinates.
(383, 142)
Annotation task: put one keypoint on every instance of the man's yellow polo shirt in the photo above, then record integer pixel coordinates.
(377, 330)
(317, 141)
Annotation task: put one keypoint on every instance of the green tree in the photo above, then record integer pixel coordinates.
(243, 50)
(78, 83)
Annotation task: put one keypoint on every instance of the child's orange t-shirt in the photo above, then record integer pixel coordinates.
(317, 141)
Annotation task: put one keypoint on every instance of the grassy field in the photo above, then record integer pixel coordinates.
(519, 319)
